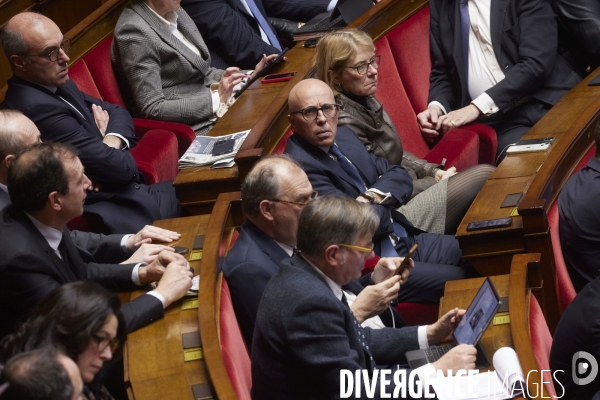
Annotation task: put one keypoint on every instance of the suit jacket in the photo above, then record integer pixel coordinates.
(165, 80)
(30, 269)
(232, 35)
(249, 266)
(579, 224)
(301, 11)
(524, 40)
(328, 178)
(298, 350)
(577, 330)
(122, 190)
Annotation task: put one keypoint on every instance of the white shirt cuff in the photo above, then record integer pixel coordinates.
(437, 103)
(216, 100)
(387, 197)
(426, 370)
(124, 240)
(135, 274)
(486, 105)
(158, 296)
(422, 335)
(125, 141)
(331, 5)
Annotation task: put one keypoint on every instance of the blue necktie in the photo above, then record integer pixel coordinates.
(465, 28)
(387, 248)
(349, 168)
(264, 24)
(359, 331)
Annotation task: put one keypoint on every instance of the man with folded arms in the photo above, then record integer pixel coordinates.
(47, 188)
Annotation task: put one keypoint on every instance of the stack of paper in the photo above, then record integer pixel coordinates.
(206, 150)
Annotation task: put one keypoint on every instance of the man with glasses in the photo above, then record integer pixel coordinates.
(273, 194)
(102, 132)
(306, 333)
(337, 163)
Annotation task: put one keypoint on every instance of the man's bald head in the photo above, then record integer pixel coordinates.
(17, 132)
(312, 93)
(11, 34)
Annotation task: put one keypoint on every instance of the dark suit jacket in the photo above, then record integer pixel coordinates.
(301, 11)
(577, 330)
(524, 39)
(249, 266)
(579, 224)
(231, 34)
(30, 269)
(298, 350)
(328, 178)
(122, 190)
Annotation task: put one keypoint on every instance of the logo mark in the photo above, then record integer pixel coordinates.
(580, 368)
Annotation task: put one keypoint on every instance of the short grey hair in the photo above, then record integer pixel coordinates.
(262, 182)
(10, 143)
(325, 221)
(13, 42)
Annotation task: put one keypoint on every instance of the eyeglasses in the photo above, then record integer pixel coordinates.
(52, 54)
(310, 114)
(366, 250)
(363, 67)
(104, 341)
(313, 194)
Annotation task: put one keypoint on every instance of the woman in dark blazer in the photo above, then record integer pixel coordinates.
(347, 62)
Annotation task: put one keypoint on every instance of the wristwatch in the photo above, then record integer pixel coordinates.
(368, 196)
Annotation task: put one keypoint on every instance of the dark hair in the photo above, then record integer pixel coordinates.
(35, 375)
(67, 318)
(262, 183)
(38, 171)
(331, 220)
(13, 42)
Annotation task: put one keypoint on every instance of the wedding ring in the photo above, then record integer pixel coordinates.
(452, 123)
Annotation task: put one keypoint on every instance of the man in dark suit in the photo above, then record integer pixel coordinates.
(494, 62)
(578, 331)
(47, 188)
(102, 132)
(438, 258)
(273, 195)
(301, 11)
(579, 222)
(299, 350)
(17, 132)
(236, 32)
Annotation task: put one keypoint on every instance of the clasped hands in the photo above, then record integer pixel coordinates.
(433, 121)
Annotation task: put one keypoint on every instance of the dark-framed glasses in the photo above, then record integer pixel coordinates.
(364, 67)
(366, 250)
(52, 54)
(313, 194)
(104, 341)
(310, 114)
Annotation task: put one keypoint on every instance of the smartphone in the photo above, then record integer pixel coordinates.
(528, 148)
(405, 263)
(181, 250)
(489, 224)
(282, 77)
(311, 42)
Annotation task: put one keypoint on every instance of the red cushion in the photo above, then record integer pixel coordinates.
(280, 148)
(100, 66)
(409, 43)
(541, 341)
(185, 135)
(417, 314)
(564, 287)
(87, 223)
(460, 148)
(80, 74)
(235, 354)
(156, 156)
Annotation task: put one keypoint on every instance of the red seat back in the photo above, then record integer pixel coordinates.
(233, 348)
(541, 341)
(564, 287)
(81, 75)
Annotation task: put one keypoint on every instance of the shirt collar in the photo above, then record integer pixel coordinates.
(3, 187)
(335, 288)
(170, 21)
(52, 236)
(289, 250)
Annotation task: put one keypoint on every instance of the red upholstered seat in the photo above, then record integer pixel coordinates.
(233, 348)
(403, 90)
(564, 287)
(541, 342)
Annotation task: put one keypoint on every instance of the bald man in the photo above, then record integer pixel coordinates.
(323, 150)
(102, 132)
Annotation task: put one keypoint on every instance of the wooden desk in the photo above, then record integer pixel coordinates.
(198, 188)
(153, 355)
(540, 176)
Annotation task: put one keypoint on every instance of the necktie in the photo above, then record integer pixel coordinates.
(264, 24)
(465, 28)
(62, 249)
(387, 248)
(349, 168)
(359, 329)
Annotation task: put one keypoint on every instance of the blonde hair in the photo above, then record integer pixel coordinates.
(335, 49)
